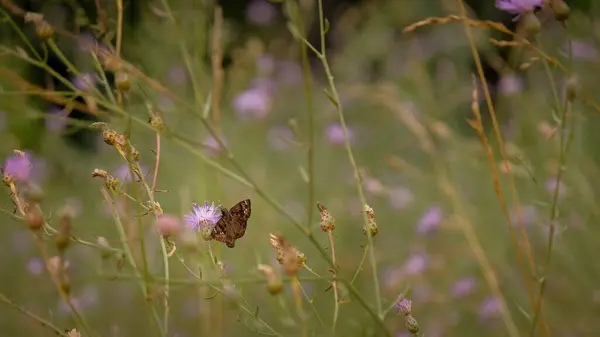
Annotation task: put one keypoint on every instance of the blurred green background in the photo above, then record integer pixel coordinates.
(406, 98)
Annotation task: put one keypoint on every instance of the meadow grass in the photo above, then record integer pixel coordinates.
(393, 193)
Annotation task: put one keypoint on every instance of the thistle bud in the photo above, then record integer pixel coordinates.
(531, 23)
(44, 30)
(561, 10)
(274, 284)
(411, 324)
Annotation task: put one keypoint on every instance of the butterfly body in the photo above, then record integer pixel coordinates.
(233, 223)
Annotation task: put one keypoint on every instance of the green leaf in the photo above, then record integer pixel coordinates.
(326, 28)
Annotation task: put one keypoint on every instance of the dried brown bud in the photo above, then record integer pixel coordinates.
(44, 30)
(157, 123)
(371, 227)
(35, 220)
(122, 81)
(327, 221)
(287, 255)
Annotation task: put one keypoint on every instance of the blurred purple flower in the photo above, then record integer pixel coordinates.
(265, 64)
(261, 12)
(518, 6)
(19, 167)
(529, 214)
(289, 72)
(551, 185)
(463, 287)
(373, 185)
(583, 50)
(203, 218)
(177, 75)
(416, 264)
(280, 137)
(254, 103)
(85, 81)
(489, 307)
(510, 84)
(56, 120)
(335, 134)
(123, 173)
(430, 221)
(35, 266)
(400, 197)
(21, 241)
(213, 147)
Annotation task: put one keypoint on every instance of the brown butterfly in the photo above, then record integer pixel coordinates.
(233, 223)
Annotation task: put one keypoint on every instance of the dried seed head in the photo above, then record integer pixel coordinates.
(157, 123)
(287, 255)
(35, 220)
(371, 227)
(110, 182)
(327, 221)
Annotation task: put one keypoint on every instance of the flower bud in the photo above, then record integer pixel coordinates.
(571, 88)
(35, 220)
(561, 10)
(122, 81)
(411, 324)
(531, 23)
(44, 30)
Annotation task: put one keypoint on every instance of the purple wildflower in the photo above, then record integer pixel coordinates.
(280, 137)
(430, 221)
(335, 134)
(416, 264)
(213, 147)
(203, 218)
(35, 266)
(400, 197)
(177, 75)
(261, 12)
(254, 103)
(289, 72)
(552, 184)
(518, 6)
(265, 64)
(583, 50)
(404, 306)
(18, 166)
(528, 212)
(56, 120)
(489, 308)
(510, 84)
(464, 286)
(84, 82)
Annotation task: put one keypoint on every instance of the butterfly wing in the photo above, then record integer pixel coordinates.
(233, 223)
(240, 212)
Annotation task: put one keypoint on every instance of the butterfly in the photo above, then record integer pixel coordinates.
(233, 223)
